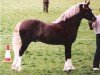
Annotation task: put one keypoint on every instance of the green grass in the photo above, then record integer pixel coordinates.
(40, 58)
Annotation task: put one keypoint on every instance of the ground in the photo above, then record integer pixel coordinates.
(40, 58)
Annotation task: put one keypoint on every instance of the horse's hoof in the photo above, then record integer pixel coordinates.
(69, 68)
(12, 67)
(96, 69)
(18, 69)
(73, 68)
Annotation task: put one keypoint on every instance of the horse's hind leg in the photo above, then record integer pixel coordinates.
(16, 47)
(19, 47)
(16, 43)
(21, 52)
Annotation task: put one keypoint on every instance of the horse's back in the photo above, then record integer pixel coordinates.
(29, 24)
(29, 29)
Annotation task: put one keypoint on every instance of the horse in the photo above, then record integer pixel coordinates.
(63, 31)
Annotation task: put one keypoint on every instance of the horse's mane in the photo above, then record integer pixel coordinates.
(69, 13)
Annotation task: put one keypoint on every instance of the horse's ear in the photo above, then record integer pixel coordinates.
(88, 3)
(85, 1)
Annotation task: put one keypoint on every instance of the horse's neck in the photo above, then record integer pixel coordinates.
(75, 20)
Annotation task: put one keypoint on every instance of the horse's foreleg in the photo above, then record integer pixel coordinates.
(68, 66)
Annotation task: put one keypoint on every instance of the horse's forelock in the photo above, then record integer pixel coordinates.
(83, 5)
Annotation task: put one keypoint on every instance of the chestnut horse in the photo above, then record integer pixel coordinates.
(63, 31)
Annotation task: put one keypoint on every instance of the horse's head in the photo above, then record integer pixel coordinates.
(86, 11)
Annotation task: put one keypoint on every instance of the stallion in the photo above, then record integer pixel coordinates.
(62, 31)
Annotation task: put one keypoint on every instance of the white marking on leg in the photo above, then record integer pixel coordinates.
(14, 62)
(18, 65)
(96, 69)
(16, 43)
(68, 65)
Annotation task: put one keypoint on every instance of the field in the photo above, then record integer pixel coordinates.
(40, 58)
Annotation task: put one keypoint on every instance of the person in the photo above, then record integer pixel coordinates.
(45, 5)
(96, 26)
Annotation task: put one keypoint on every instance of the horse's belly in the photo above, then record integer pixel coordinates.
(52, 41)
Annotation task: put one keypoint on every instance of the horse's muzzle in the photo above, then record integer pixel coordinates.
(90, 22)
(90, 25)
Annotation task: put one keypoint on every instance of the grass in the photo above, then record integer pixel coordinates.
(40, 58)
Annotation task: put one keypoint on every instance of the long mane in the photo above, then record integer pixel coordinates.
(69, 13)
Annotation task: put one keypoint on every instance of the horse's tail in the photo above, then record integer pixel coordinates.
(16, 40)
